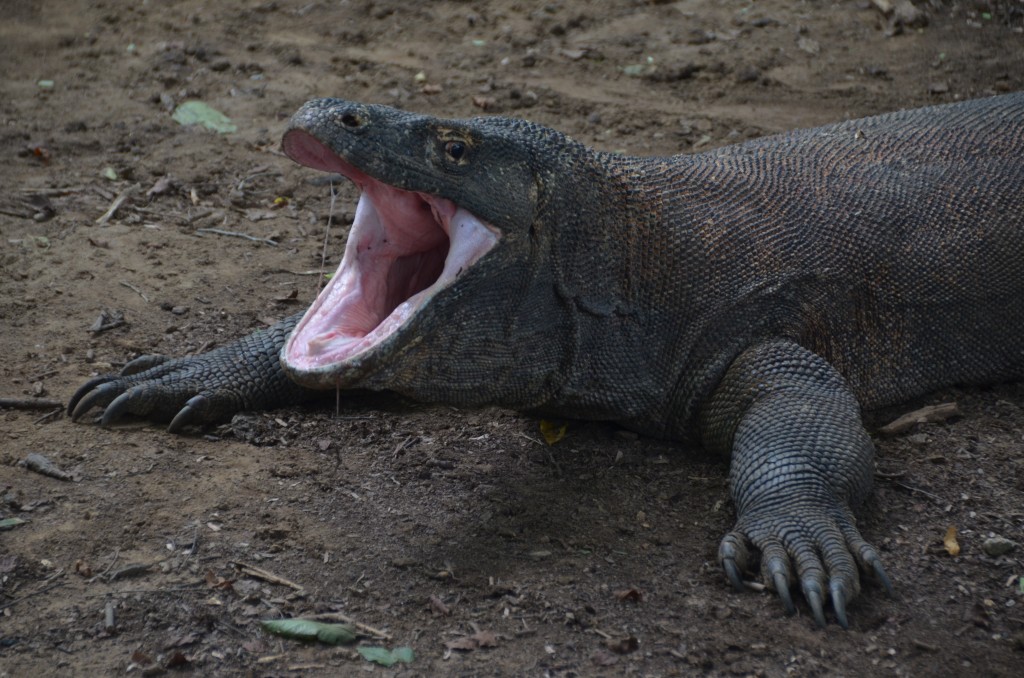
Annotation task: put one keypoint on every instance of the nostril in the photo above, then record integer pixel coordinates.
(351, 120)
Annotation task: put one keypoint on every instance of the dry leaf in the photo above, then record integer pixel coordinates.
(477, 640)
(218, 582)
(483, 103)
(952, 546)
(438, 606)
(552, 432)
(141, 658)
(464, 643)
(623, 645)
(288, 298)
(632, 595)
(182, 641)
(486, 638)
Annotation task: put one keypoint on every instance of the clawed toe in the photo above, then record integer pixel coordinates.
(733, 573)
(839, 604)
(188, 414)
(883, 578)
(781, 582)
(94, 392)
(818, 550)
(813, 597)
(116, 409)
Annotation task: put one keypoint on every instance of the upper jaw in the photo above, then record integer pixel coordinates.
(403, 249)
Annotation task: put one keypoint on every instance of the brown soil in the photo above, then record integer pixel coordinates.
(429, 523)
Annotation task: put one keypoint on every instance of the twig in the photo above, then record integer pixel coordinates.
(107, 321)
(118, 201)
(236, 234)
(192, 549)
(108, 616)
(200, 214)
(53, 191)
(24, 214)
(338, 616)
(291, 272)
(135, 289)
(49, 415)
(132, 592)
(936, 497)
(113, 560)
(30, 403)
(260, 573)
(132, 571)
(931, 414)
(43, 375)
(54, 585)
(532, 440)
(43, 466)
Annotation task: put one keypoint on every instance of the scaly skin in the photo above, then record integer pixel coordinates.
(751, 299)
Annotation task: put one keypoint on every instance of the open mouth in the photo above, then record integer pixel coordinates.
(403, 248)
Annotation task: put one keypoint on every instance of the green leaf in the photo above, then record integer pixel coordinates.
(307, 629)
(10, 523)
(199, 113)
(386, 657)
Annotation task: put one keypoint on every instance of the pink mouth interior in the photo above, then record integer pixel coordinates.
(403, 248)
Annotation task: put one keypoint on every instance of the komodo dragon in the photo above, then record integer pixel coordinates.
(751, 299)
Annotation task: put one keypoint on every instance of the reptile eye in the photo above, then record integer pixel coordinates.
(455, 150)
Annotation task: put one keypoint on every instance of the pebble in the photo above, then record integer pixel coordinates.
(998, 546)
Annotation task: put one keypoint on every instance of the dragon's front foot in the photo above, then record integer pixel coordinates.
(816, 545)
(200, 389)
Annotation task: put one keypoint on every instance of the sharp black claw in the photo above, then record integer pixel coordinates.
(884, 578)
(839, 604)
(733, 573)
(143, 363)
(83, 390)
(90, 395)
(814, 600)
(115, 409)
(782, 587)
(187, 414)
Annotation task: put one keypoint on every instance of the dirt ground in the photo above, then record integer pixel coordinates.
(595, 556)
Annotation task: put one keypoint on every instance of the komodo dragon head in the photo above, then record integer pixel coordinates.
(445, 291)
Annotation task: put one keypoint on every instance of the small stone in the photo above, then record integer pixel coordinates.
(998, 546)
(179, 310)
(749, 74)
(809, 45)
